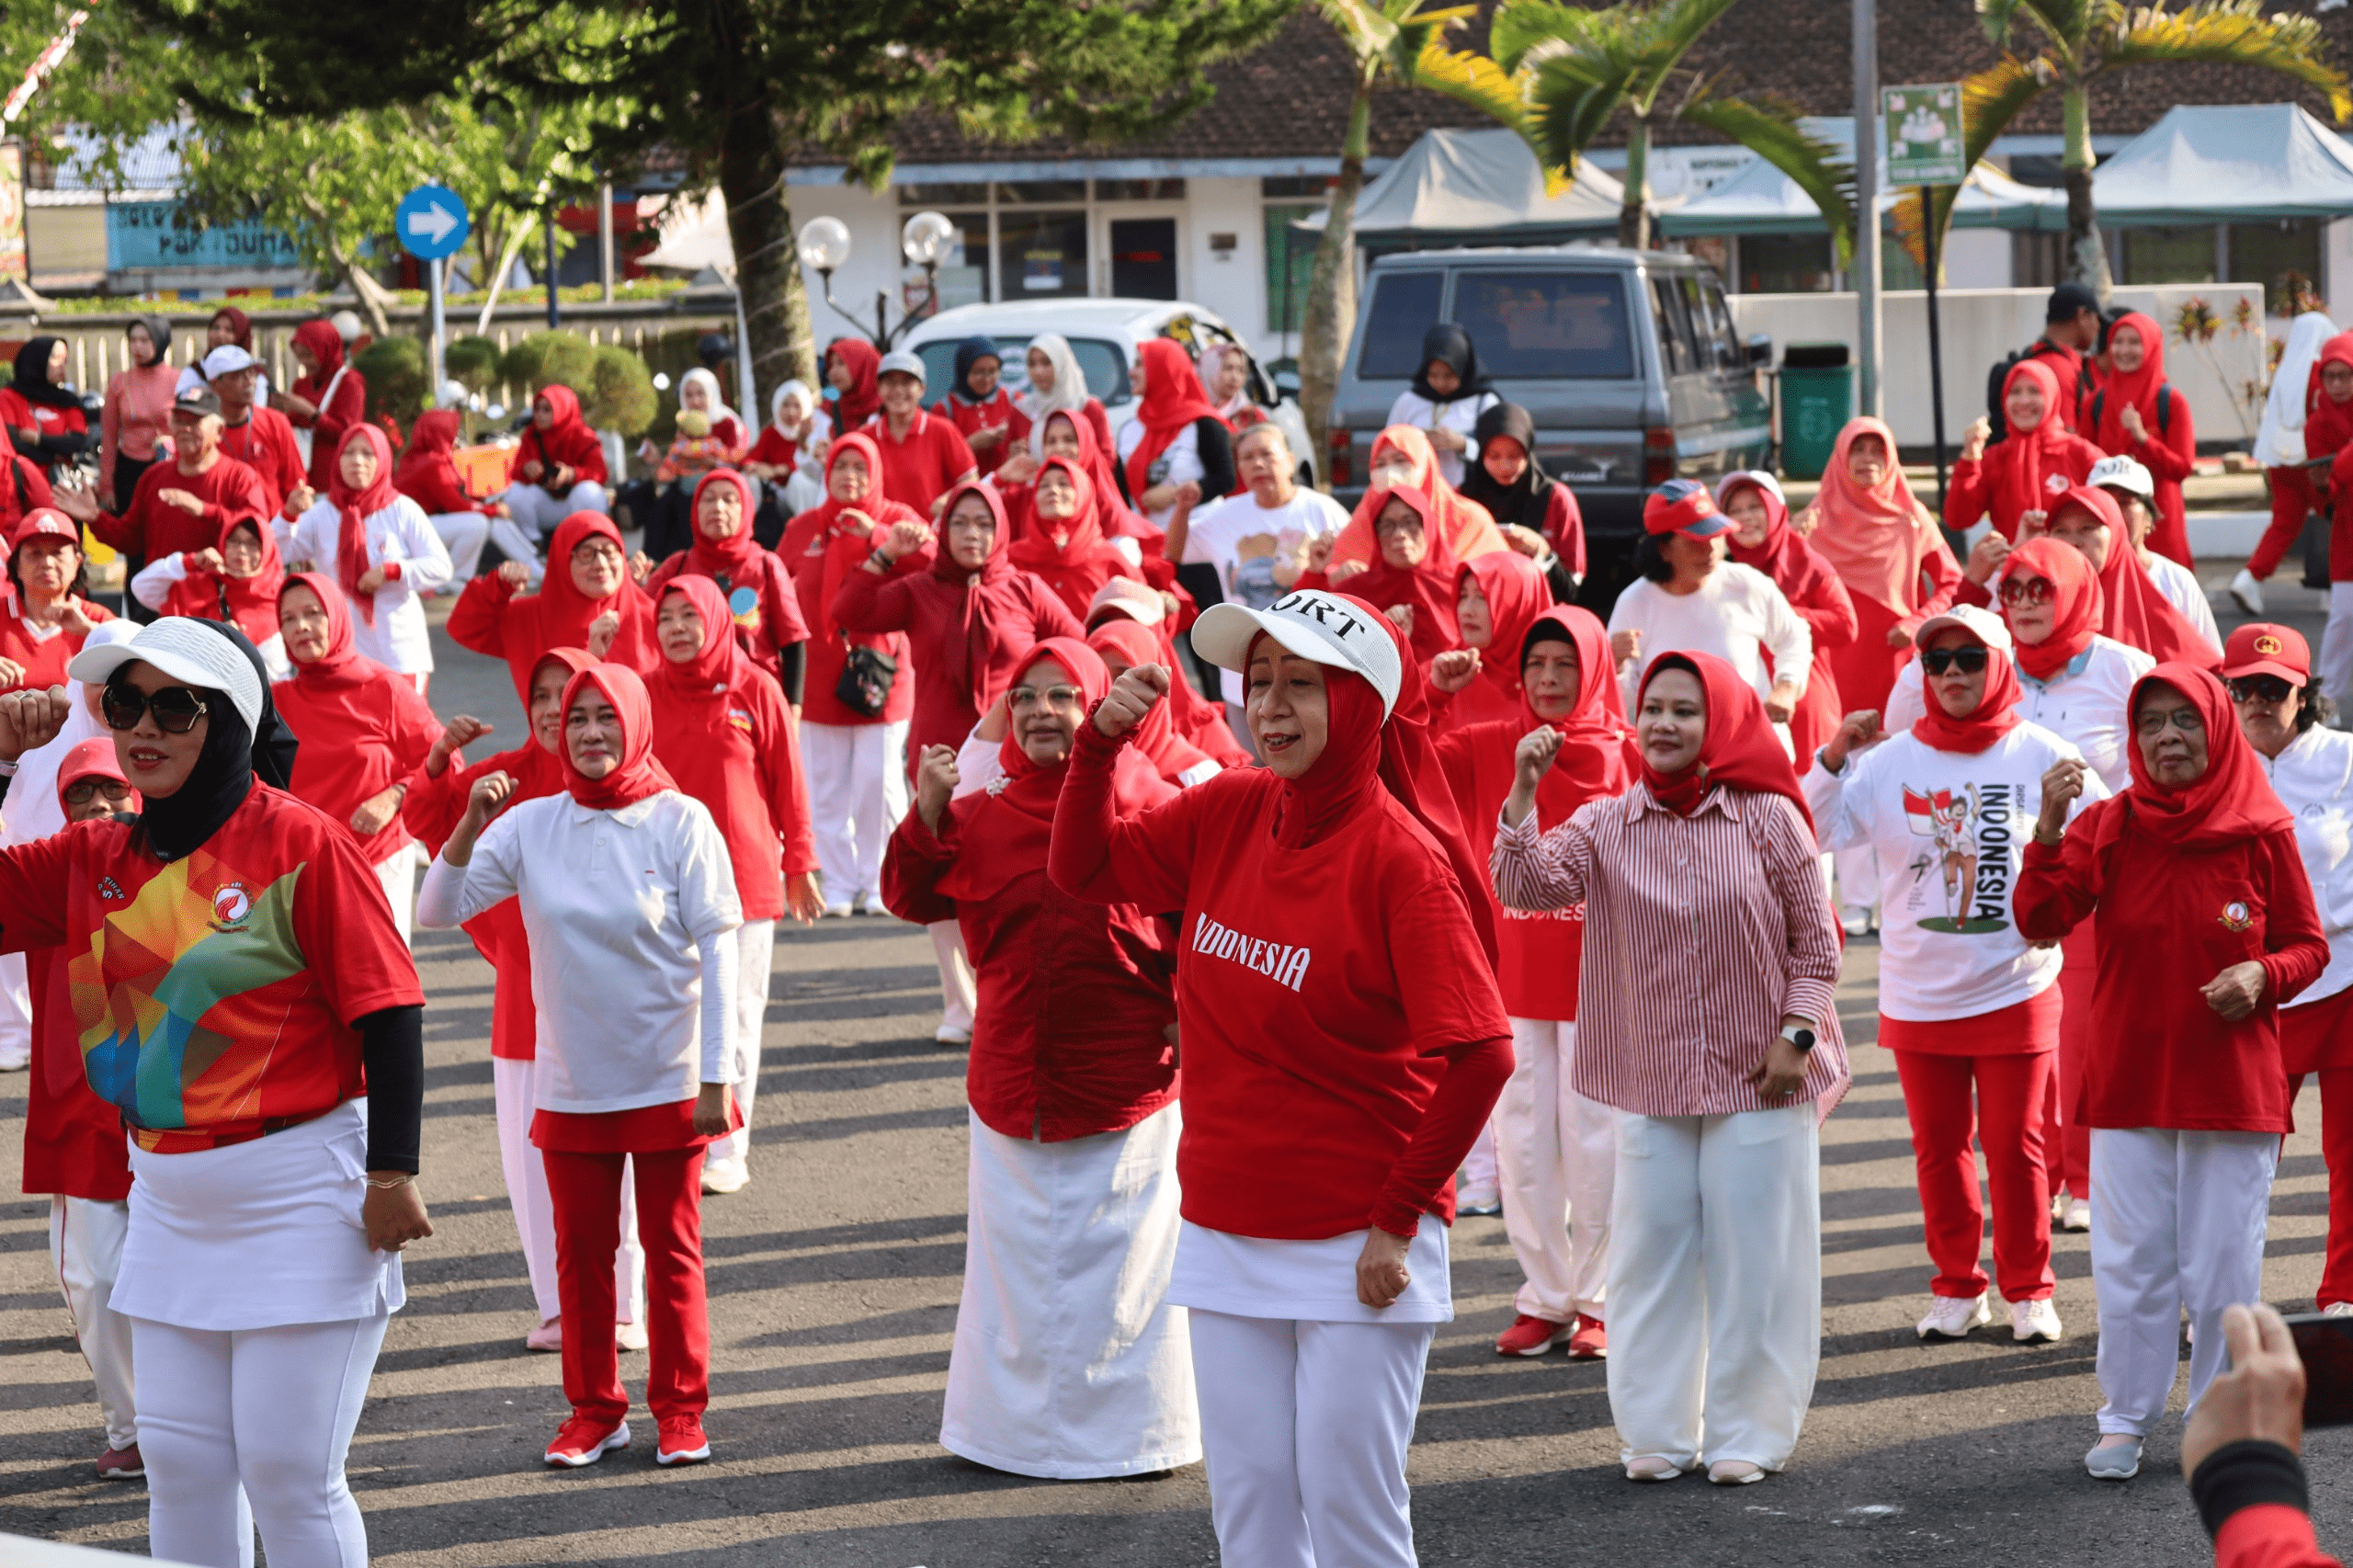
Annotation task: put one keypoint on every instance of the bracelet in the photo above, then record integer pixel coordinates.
(403, 1180)
(880, 557)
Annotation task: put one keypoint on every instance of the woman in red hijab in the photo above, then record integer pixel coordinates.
(327, 400)
(586, 600)
(853, 733)
(724, 732)
(2138, 413)
(1192, 716)
(1343, 1043)
(1719, 1082)
(635, 1029)
(2206, 925)
(1068, 1362)
(758, 588)
(1498, 597)
(1413, 578)
(2132, 610)
(853, 373)
(364, 730)
(1122, 645)
(1066, 545)
(1879, 538)
(1071, 437)
(1177, 451)
(558, 466)
(2016, 480)
(1403, 459)
(1555, 1150)
(236, 581)
(437, 799)
(428, 474)
(1763, 539)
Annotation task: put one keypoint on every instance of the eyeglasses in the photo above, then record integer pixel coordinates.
(175, 708)
(2030, 591)
(1968, 661)
(2152, 721)
(2259, 688)
(1052, 695)
(81, 792)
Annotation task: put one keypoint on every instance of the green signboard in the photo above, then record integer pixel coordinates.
(1924, 141)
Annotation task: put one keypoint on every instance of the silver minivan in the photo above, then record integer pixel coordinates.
(1628, 361)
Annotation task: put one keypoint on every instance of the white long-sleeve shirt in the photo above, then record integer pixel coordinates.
(152, 588)
(2083, 705)
(625, 910)
(2313, 778)
(401, 533)
(1736, 614)
(1950, 829)
(2181, 589)
(1459, 415)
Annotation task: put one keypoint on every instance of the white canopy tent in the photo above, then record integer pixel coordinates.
(2226, 162)
(1471, 187)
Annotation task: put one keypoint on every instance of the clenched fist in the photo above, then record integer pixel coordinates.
(1132, 695)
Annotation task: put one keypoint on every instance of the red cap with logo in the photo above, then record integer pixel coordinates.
(44, 520)
(1683, 505)
(2261, 648)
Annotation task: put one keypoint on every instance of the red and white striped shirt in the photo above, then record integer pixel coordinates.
(1701, 933)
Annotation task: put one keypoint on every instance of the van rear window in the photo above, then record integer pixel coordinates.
(1545, 326)
(1404, 306)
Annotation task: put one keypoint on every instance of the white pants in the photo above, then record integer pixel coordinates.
(1715, 1284)
(397, 871)
(85, 1246)
(1858, 879)
(1306, 1426)
(2336, 669)
(513, 1091)
(2177, 1221)
(539, 512)
(1557, 1155)
(16, 1014)
(857, 792)
(463, 534)
(258, 1418)
(755, 956)
(955, 975)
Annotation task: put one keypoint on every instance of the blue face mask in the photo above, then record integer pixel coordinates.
(833, 393)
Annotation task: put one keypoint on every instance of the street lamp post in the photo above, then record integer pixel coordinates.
(824, 250)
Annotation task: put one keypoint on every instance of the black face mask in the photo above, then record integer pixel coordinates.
(223, 775)
(273, 746)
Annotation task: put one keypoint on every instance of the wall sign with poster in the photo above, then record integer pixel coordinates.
(1041, 270)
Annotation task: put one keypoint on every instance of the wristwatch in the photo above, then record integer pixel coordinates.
(1801, 1037)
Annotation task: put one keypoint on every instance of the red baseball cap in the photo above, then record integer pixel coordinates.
(2262, 648)
(1683, 505)
(44, 520)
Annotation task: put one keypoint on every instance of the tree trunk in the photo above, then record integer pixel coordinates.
(2087, 256)
(768, 262)
(372, 296)
(1634, 217)
(1329, 318)
(500, 270)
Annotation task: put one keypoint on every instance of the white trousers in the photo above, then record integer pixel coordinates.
(463, 534)
(1557, 1157)
(2335, 668)
(1858, 877)
(1715, 1285)
(2177, 1221)
(857, 792)
(85, 1246)
(755, 956)
(955, 975)
(16, 1014)
(539, 512)
(513, 1091)
(258, 1419)
(397, 871)
(1306, 1425)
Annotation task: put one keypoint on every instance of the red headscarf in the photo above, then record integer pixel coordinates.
(430, 441)
(2134, 612)
(2328, 424)
(1156, 736)
(1995, 716)
(1117, 518)
(1516, 596)
(93, 759)
(356, 507)
(250, 602)
(2036, 454)
(639, 775)
(968, 658)
(1596, 756)
(2120, 390)
(324, 343)
(1002, 834)
(1876, 540)
(1739, 751)
(1172, 403)
(1429, 585)
(2076, 603)
(538, 769)
(1071, 555)
(1469, 531)
(241, 327)
(712, 669)
(341, 665)
(565, 611)
(1196, 719)
(864, 398)
(732, 555)
(2229, 804)
(567, 442)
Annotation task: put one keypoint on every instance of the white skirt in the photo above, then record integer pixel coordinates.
(258, 1234)
(1069, 1362)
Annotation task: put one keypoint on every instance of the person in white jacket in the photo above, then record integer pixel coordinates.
(2279, 448)
(405, 558)
(1964, 999)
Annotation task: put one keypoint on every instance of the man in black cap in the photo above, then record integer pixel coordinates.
(2070, 334)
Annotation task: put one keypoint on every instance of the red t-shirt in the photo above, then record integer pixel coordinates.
(18, 412)
(154, 527)
(215, 994)
(74, 1141)
(740, 755)
(23, 488)
(265, 444)
(359, 738)
(44, 658)
(919, 470)
(999, 412)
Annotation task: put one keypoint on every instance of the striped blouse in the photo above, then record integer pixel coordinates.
(1701, 934)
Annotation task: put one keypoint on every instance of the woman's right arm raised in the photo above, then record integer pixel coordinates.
(1533, 869)
(1098, 855)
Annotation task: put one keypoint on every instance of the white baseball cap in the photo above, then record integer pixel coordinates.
(2124, 474)
(903, 361)
(184, 648)
(227, 360)
(1982, 624)
(1314, 625)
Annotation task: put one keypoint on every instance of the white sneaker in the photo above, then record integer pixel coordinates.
(11, 1062)
(1855, 921)
(2338, 1309)
(724, 1176)
(1479, 1200)
(1952, 1317)
(2035, 1323)
(2247, 591)
(629, 1337)
(949, 1034)
(2117, 1461)
(2078, 1216)
(837, 911)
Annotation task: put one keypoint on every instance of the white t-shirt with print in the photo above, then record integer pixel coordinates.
(1244, 541)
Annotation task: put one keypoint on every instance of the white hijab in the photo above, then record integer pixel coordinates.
(1070, 388)
(1212, 361)
(2281, 440)
(31, 809)
(714, 404)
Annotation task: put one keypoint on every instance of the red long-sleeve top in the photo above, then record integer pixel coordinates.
(821, 554)
(44, 658)
(491, 617)
(336, 416)
(1977, 484)
(762, 600)
(154, 528)
(23, 488)
(739, 754)
(2168, 454)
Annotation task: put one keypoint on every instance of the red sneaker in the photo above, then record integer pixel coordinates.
(584, 1441)
(682, 1441)
(1591, 1340)
(121, 1464)
(1531, 1336)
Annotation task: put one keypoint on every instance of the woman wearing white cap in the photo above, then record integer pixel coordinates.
(1964, 1000)
(2134, 489)
(1343, 1044)
(258, 1271)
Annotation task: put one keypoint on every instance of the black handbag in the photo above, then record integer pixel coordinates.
(864, 685)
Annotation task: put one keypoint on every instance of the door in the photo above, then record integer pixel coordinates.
(1144, 258)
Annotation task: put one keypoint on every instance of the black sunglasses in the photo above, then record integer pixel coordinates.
(2262, 688)
(1969, 661)
(81, 791)
(176, 708)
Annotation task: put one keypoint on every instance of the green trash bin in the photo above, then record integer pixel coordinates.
(1817, 399)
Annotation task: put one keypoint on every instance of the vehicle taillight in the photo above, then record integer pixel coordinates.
(1340, 456)
(1658, 455)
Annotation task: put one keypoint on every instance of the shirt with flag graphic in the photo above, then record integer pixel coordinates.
(215, 995)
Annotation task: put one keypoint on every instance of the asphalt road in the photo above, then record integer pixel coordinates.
(834, 1282)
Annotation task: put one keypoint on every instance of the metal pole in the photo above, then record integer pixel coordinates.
(438, 347)
(1867, 333)
(1936, 340)
(555, 315)
(605, 238)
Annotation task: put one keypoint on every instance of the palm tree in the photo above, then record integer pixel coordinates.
(2083, 39)
(1561, 73)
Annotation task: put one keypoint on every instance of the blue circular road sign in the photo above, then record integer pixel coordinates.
(431, 222)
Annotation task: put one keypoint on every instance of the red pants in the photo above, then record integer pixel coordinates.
(2336, 1149)
(2292, 500)
(2072, 1167)
(584, 1190)
(2012, 1101)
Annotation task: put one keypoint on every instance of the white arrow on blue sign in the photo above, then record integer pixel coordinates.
(431, 222)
